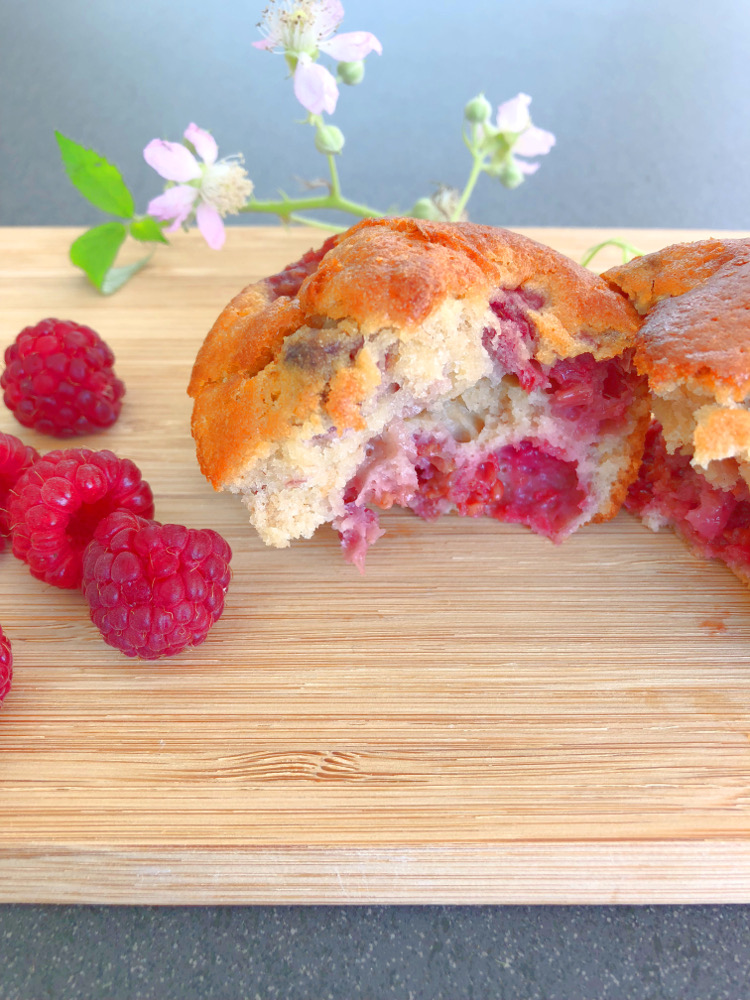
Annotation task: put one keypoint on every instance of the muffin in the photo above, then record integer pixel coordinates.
(694, 348)
(439, 367)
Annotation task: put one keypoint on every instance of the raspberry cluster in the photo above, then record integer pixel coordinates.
(83, 519)
(59, 379)
(58, 502)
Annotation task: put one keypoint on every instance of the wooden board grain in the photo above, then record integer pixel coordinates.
(482, 717)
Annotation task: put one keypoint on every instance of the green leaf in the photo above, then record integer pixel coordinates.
(98, 181)
(95, 251)
(117, 276)
(147, 230)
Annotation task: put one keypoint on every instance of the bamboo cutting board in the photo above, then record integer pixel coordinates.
(483, 717)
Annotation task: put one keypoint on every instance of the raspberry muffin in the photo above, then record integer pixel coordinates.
(694, 347)
(435, 366)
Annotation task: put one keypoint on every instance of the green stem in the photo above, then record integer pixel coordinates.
(335, 183)
(334, 201)
(315, 223)
(628, 250)
(476, 169)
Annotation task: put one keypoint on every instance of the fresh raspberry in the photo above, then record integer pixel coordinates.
(15, 458)
(154, 589)
(58, 378)
(58, 502)
(6, 665)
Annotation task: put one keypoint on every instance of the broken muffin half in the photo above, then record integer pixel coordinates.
(437, 367)
(694, 347)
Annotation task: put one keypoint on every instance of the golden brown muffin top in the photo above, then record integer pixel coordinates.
(248, 380)
(394, 273)
(696, 298)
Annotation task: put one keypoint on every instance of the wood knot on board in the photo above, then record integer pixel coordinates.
(306, 765)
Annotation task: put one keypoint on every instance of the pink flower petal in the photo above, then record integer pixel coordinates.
(314, 87)
(171, 160)
(513, 115)
(534, 142)
(264, 43)
(211, 226)
(176, 203)
(204, 142)
(525, 167)
(351, 46)
(328, 17)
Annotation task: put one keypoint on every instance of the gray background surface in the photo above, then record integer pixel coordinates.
(648, 99)
(377, 953)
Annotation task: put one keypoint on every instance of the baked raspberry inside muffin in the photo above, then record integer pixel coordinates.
(713, 520)
(694, 347)
(436, 367)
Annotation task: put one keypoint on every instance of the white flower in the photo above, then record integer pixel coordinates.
(513, 122)
(301, 29)
(209, 190)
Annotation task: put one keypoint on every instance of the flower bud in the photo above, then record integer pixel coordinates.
(425, 208)
(478, 110)
(329, 139)
(351, 73)
(509, 173)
